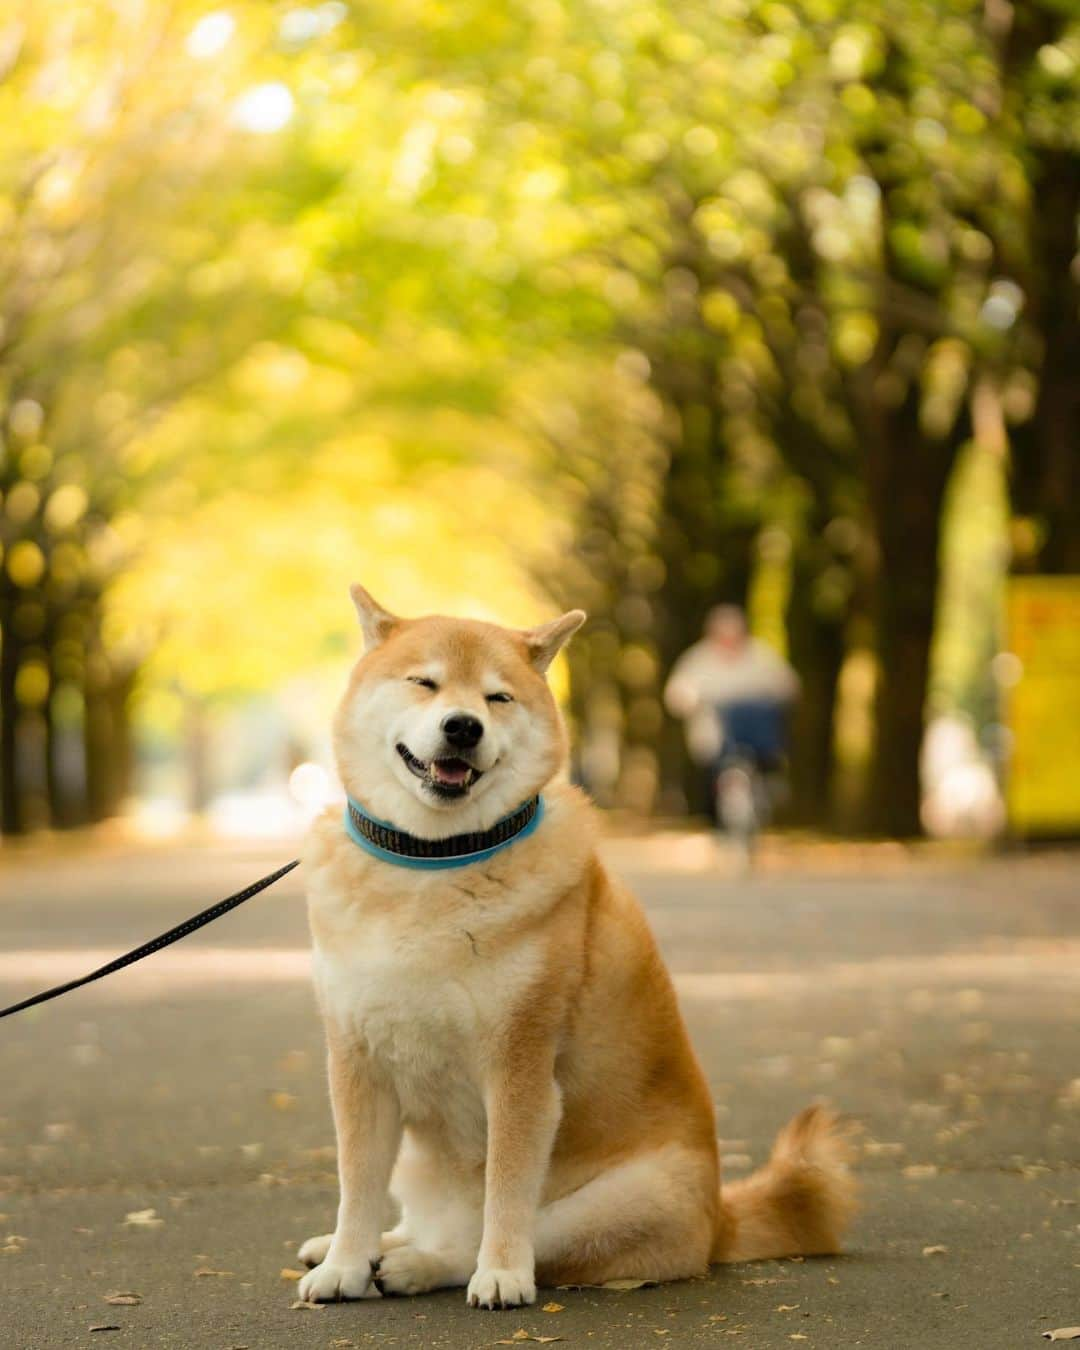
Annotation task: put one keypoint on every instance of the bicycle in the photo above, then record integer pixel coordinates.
(751, 755)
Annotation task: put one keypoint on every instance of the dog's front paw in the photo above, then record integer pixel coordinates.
(494, 1288)
(336, 1280)
(313, 1251)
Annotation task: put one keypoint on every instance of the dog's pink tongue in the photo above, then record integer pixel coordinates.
(451, 771)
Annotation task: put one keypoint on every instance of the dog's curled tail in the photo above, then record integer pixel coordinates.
(800, 1202)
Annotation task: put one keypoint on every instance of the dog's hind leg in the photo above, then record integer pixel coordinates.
(313, 1251)
(649, 1218)
(434, 1245)
(406, 1269)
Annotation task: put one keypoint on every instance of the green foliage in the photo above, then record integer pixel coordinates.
(582, 299)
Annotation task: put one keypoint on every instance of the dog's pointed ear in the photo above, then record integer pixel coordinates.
(376, 622)
(545, 643)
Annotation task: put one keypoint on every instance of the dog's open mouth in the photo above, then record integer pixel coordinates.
(448, 777)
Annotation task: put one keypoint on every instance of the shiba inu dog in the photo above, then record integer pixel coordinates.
(505, 1050)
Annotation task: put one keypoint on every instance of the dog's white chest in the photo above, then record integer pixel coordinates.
(422, 1008)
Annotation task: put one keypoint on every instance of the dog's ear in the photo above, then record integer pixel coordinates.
(544, 643)
(376, 622)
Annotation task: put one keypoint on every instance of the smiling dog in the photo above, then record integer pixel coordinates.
(503, 1036)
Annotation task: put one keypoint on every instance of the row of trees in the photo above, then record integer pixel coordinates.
(728, 289)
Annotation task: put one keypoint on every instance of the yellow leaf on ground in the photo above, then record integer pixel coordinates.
(287, 1273)
(1062, 1334)
(143, 1218)
(552, 1307)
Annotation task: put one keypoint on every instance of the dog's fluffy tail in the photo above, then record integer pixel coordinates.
(800, 1202)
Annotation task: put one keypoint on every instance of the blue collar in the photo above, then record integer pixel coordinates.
(385, 841)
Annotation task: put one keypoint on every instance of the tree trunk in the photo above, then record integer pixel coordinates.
(97, 741)
(907, 490)
(1046, 480)
(11, 817)
(705, 547)
(816, 632)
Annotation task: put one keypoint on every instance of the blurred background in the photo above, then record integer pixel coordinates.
(503, 308)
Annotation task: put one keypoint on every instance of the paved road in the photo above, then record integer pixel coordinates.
(939, 1003)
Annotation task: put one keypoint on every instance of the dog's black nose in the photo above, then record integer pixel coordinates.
(462, 730)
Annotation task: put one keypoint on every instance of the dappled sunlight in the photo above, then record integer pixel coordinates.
(175, 970)
(1054, 966)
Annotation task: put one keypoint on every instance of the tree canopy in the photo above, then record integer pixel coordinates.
(635, 305)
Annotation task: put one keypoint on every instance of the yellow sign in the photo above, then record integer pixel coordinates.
(1043, 705)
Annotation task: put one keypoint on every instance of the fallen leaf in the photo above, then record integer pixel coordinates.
(204, 1271)
(123, 1298)
(552, 1307)
(939, 1249)
(287, 1273)
(311, 1307)
(881, 1148)
(1062, 1334)
(143, 1218)
(787, 1307)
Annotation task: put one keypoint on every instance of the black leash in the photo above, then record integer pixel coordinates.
(181, 930)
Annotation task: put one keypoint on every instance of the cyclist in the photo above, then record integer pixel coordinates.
(733, 693)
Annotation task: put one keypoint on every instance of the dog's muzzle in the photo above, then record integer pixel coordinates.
(445, 775)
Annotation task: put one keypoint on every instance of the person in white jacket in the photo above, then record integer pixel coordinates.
(732, 691)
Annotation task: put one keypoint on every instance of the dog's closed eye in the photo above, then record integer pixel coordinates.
(499, 698)
(422, 680)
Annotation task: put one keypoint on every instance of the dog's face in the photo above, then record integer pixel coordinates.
(448, 724)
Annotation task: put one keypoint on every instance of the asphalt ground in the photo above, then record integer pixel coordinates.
(936, 1001)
